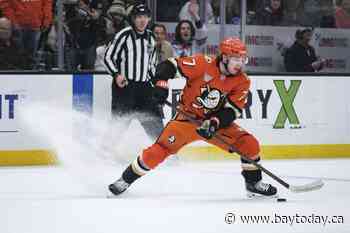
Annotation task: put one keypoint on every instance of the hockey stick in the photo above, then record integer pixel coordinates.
(315, 185)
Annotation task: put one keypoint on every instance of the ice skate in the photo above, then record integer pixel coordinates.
(127, 178)
(260, 190)
(118, 187)
(255, 187)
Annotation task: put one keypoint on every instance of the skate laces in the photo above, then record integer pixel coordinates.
(262, 186)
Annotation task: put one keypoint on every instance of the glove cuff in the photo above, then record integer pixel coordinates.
(215, 121)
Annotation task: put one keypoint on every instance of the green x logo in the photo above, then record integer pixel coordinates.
(287, 98)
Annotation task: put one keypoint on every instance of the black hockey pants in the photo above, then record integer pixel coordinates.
(135, 101)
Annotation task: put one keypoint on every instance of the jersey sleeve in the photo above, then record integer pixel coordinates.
(238, 96)
(113, 58)
(191, 67)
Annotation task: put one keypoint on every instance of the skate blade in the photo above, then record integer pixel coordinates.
(111, 195)
(256, 196)
(115, 196)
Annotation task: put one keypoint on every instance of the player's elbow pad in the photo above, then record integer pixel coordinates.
(226, 116)
(165, 70)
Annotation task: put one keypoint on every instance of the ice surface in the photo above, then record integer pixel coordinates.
(185, 197)
(182, 196)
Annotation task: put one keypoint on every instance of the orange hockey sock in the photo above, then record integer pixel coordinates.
(154, 155)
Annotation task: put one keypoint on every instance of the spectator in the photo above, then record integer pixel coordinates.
(52, 37)
(291, 7)
(233, 11)
(185, 43)
(29, 19)
(190, 11)
(342, 14)
(113, 22)
(271, 14)
(83, 21)
(11, 56)
(117, 15)
(316, 13)
(301, 56)
(46, 55)
(131, 61)
(164, 49)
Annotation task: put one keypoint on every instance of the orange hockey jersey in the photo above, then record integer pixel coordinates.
(35, 14)
(207, 90)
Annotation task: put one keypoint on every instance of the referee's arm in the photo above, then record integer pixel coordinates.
(153, 62)
(112, 59)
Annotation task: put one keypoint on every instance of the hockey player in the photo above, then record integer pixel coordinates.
(215, 94)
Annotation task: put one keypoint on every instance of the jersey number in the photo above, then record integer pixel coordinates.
(190, 63)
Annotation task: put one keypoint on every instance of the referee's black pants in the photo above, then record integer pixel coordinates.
(135, 101)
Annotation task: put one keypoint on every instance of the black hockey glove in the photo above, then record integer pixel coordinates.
(208, 128)
(160, 91)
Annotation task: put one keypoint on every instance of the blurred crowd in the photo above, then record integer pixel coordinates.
(29, 28)
(309, 13)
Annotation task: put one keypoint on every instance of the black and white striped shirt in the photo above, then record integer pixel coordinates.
(132, 55)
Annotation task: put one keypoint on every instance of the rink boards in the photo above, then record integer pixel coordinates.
(292, 116)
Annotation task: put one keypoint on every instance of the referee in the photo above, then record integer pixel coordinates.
(131, 60)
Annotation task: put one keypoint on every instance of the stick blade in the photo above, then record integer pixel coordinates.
(315, 185)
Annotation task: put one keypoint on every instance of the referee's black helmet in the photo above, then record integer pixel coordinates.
(140, 9)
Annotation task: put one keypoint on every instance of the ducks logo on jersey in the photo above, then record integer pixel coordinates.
(211, 99)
